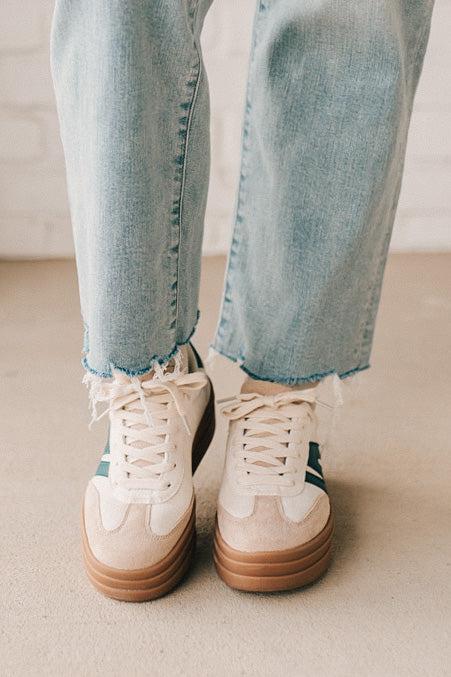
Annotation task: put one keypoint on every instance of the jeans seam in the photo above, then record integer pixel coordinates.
(188, 108)
(183, 184)
(239, 219)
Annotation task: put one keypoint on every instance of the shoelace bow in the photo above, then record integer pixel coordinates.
(143, 408)
(266, 427)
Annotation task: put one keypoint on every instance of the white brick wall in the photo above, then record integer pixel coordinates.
(34, 218)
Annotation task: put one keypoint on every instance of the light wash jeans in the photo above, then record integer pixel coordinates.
(329, 98)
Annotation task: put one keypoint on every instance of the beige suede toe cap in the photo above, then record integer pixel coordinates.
(268, 528)
(132, 545)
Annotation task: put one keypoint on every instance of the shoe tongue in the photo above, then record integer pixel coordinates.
(180, 364)
(263, 388)
(268, 388)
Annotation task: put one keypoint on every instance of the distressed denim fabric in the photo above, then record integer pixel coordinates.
(329, 97)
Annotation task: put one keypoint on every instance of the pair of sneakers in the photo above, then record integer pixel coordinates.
(273, 527)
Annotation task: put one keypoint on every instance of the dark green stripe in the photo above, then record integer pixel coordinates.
(317, 481)
(314, 456)
(104, 466)
(103, 469)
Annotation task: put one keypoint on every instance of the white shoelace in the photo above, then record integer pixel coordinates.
(266, 422)
(142, 409)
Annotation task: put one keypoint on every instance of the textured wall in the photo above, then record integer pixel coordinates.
(33, 209)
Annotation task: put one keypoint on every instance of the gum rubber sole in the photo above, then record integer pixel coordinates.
(274, 571)
(142, 585)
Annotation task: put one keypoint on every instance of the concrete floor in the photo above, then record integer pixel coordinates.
(384, 609)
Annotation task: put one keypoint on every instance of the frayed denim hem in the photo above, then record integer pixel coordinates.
(291, 380)
(156, 359)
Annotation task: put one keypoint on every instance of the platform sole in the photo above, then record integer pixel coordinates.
(275, 570)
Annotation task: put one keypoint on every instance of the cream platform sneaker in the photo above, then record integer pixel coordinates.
(274, 525)
(138, 521)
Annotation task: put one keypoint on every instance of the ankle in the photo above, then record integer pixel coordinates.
(260, 387)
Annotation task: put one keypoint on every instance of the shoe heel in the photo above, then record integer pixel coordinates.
(204, 434)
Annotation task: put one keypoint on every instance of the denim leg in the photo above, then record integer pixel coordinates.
(132, 99)
(329, 99)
